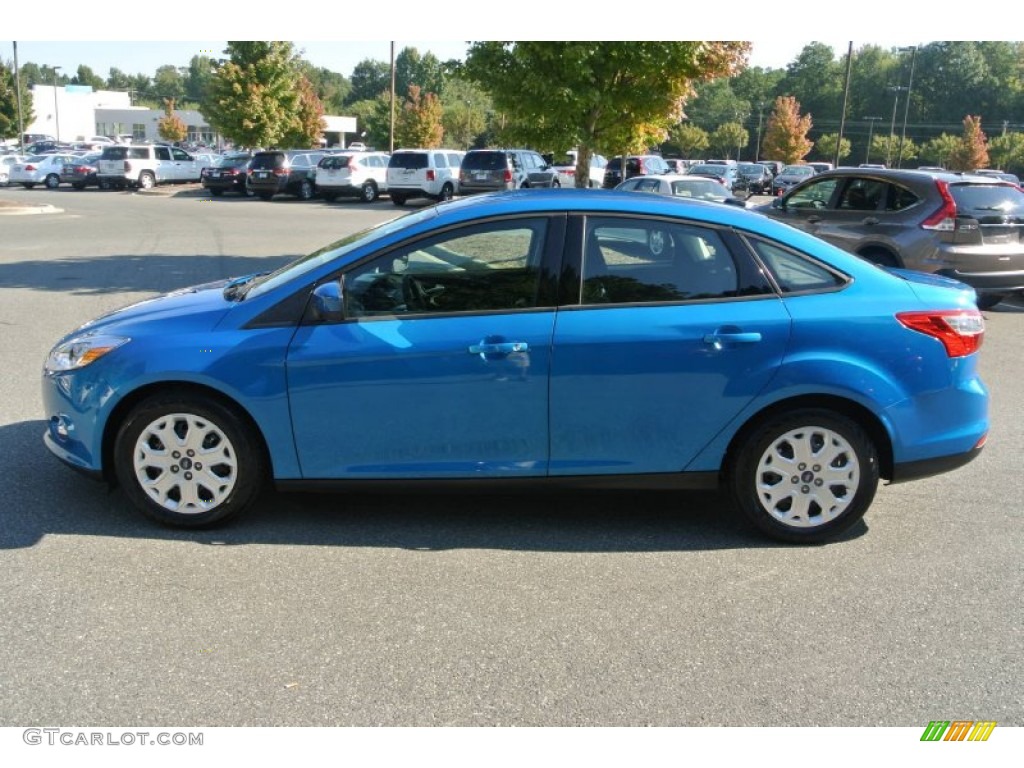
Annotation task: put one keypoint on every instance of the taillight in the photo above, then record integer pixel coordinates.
(30, 167)
(960, 330)
(508, 175)
(430, 174)
(944, 219)
(280, 171)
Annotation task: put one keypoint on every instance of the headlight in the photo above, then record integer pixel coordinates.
(80, 351)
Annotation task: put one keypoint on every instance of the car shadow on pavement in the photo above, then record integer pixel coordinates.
(160, 272)
(44, 497)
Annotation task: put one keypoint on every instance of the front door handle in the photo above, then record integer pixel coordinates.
(498, 348)
(813, 219)
(870, 220)
(718, 340)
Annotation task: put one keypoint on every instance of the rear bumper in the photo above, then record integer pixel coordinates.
(987, 282)
(915, 470)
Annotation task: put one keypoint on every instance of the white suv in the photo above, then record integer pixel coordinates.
(352, 174)
(145, 165)
(423, 173)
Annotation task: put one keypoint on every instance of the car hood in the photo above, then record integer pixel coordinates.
(196, 308)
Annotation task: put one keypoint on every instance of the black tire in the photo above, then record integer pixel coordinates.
(556, 184)
(989, 300)
(216, 192)
(330, 197)
(447, 193)
(146, 180)
(398, 198)
(306, 190)
(368, 193)
(78, 185)
(193, 496)
(105, 185)
(779, 488)
(52, 181)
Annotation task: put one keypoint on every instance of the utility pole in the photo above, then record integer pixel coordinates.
(871, 130)
(760, 117)
(17, 90)
(906, 107)
(846, 98)
(391, 136)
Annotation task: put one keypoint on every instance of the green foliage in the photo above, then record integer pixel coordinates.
(729, 138)
(167, 84)
(1007, 151)
(330, 87)
(419, 123)
(692, 141)
(826, 147)
(369, 79)
(785, 138)
(716, 104)
(118, 80)
(9, 102)
(85, 76)
(940, 150)
(465, 113)
(257, 98)
(171, 127)
(413, 69)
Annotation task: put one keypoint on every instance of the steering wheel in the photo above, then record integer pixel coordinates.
(413, 293)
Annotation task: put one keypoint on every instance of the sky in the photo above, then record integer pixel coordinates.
(444, 29)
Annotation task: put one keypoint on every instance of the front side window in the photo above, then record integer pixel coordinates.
(631, 261)
(178, 154)
(482, 268)
(815, 195)
(163, 153)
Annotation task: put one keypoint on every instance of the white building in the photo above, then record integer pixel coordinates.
(76, 112)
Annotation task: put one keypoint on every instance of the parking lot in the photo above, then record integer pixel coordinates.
(564, 609)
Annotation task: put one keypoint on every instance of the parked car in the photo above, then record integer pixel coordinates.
(967, 227)
(558, 337)
(145, 165)
(5, 167)
(775, 166)
(565, 167)
(39, 169)
(431, 173)
(81, 171)
(820, 167)
(492, 170)
(352, 174)
(790, 176)
(757, 178)
(636, 165)
(1010, 177)
(284, 171)
(684, 186)
(230, 174)
(726, 175)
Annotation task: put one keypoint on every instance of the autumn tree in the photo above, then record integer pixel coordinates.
(419, 123)
(9, 102)
(256, 97)
(607, 97)
(785, 138)
(972, 152)
(307, 127)
(171, 127)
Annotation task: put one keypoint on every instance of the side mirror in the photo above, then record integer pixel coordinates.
(735, 201)
(328, 304)
(777, 203)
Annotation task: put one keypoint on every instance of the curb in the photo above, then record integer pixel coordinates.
(29, 210)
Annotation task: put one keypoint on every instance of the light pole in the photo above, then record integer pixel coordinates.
(906, 106)
(871, 130)
(56, 109)
(892, 126)
(760, 117)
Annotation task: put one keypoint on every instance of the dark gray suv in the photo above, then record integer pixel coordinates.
(963, 226)
(490, 170)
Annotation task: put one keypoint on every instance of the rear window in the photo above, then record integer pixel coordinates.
(114, 153)
(335, 162)
(410, 160)
(485, 161)
(268, 161)
(989, 203)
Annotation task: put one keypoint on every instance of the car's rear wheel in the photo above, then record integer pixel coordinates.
(880, 257)
(989, 300)
(146, 180)
(804, 476)
(52, 181)
(187, 460)
(447, 192)
(306, 190)
(216, 192)
(369, 192)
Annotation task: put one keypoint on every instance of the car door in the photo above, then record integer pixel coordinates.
(672, 333)
(440, 365)
(808, 206)
(865, 210)
(163, 166)
(185, 166)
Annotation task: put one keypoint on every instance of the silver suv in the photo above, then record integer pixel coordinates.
(145, 165)
(963, 226)
(491, 170)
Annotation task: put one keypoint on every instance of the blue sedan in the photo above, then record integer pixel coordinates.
(565, 337)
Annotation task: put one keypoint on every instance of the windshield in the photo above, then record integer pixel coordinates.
(798, 170)
(305, 264)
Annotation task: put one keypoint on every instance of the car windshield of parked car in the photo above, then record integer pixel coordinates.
(752, 169)
(797, 170)
(698, 189)
(305, 264)
(710, 170)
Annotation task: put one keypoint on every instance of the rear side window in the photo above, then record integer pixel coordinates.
(138, 153)
(795, 273)
(989, 201)
(440, 160)
(409, 160)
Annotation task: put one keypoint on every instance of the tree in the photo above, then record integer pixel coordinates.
(1007, 151)
(307, 129)
(826, 146)
(419, 123)
(369, 78)
(691, 140)
(373, 117)
(465, 112)
(714, 104)
(729, 137)
(973, 151)
(197, 77)
(413, 69)
(330, 87)
(171, 127)
(940, 150)
(608, 97)
(167, 84)
(252, 99)
(785, 138)
(817, 76)
(9, 102)
(85, 76)
(118, 80)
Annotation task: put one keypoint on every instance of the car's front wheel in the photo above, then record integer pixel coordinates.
(146, 180)
(187, 460)
(804, 476)
(52, 181)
